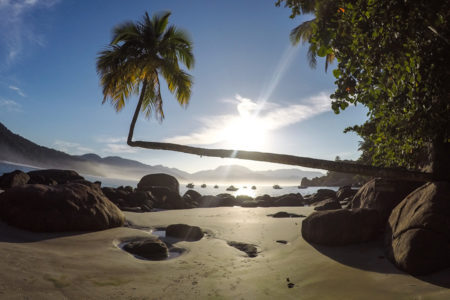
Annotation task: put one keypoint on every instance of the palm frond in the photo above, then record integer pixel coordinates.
(302, 33)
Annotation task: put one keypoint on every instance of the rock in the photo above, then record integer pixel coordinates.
(321, 195)
(166, 198)
(159, 180)
(289, 200)
(65, 207)
(184, 232)
(117, 196)
(15, 178)
(417, 237)
(345, 192)
(231, 188)
(327, 204)
(195, 196)
(341, 226)
(283, 214)
(228, 200)
(148, 248)
(53, 176)
(139, 199)
(249, 249)
(249, 203)
(265, 201)
(209, 201)
(383, 195)
(242, 198)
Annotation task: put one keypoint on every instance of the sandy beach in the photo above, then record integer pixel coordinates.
(91, 266)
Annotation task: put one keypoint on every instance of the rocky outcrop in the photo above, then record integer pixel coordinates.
(166, 198)
(341, 226)
(289, 200)
(321, 195)
(53, 176)
(15, 178)
(345, 192)
(327, 204)
(194, 195)
(383, 195)
(417, 237)
(147, 248)
(184, 232)
(209, 201)
(64, 207)
(159, 180)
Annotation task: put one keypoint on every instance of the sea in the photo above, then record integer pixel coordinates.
(243, 189)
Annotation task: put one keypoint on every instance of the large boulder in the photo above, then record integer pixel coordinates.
(159, 180)
(138, 199)
(116, 195)
(345, 192)
(66, 207)
(148, 248)
(53, 176)
(209, 201)
(321, 195)
(418, 230)
(228, 200)
(194, 195)
(289, 200)
(15, 178)
(166, 198)
(264, 201)
(383, 195)
(341, 226)
(327, 204)
(184, 232)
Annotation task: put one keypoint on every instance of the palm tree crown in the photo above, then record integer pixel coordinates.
(140, 52)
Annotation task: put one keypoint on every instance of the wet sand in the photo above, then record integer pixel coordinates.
(91, 266)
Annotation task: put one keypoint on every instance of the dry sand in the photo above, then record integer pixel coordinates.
(91, 266)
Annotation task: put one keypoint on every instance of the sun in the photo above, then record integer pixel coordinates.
(245, 133)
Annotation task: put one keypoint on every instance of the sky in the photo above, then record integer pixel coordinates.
(252, 89)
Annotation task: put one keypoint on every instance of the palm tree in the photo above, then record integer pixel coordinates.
(136, 57)
(140, 52)
(304, 31)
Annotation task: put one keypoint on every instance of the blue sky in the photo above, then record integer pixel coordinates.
(252, 89)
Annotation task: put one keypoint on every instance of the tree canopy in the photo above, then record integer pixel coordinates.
(393, 57)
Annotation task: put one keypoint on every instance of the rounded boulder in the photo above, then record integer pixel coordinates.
(65, 207)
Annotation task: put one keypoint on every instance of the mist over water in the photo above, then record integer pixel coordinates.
(243, 188)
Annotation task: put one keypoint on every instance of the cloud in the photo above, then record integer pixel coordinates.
(119, 148)
(115, 145)
(70, 147)
(113, 140)
(16, 31)
(10, 105)
(264, 116)
(18, 90)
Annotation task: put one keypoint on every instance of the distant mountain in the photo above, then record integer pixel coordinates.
(236, 173)
(15, 148)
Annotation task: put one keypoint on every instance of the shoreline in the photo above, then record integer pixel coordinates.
(88, 264)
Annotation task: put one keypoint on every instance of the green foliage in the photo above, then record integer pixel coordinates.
(393, 58)
(140, 52)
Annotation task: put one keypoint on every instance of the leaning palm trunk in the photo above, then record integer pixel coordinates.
(337, 166)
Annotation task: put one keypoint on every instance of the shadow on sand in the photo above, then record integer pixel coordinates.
(371, 257)
(10, 234)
